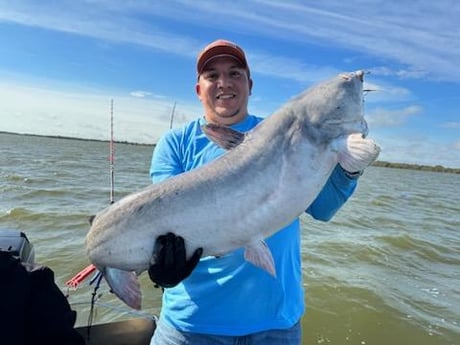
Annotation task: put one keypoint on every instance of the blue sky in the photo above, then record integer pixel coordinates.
(61, 63)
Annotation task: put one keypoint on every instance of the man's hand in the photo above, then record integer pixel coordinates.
(169, 265)
(359, 154)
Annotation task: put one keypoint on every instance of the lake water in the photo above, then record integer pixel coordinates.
(385, 270)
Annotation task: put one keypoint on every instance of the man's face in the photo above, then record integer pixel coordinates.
(224, 88)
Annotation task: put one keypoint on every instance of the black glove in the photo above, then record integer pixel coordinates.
(169, 265)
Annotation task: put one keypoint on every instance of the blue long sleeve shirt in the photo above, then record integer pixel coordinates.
(227, 295)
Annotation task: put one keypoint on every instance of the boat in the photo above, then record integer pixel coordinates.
(134, 331)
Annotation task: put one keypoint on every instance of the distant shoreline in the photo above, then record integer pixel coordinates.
(383, 164)
(74, 138)
(434, 168)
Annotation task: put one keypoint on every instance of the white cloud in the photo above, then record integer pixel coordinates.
(377, 91)
(452, 125)
(400, 73)
(140, 93)
(380, 117)
(53, 111)
(457, 146)
(422, 36)
(418, 149)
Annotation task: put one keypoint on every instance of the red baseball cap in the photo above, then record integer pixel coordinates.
(220, 48)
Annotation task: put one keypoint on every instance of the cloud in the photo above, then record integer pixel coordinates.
(378, 91)
(400, 73)
(140, 94)
(52, 110)
(451, 125)
(288, 68)
(457, 146)
(380, 117)
(421, 36)
(417, 149)
(101, 20)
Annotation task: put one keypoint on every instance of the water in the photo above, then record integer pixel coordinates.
(385, 270)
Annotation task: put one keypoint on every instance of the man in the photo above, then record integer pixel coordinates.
(226, 300)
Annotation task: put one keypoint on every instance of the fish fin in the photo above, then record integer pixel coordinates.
(225, 137)
(259, 254)
(125, 286)
(356, 152)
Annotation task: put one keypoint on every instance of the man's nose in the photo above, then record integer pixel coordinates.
(223, 80)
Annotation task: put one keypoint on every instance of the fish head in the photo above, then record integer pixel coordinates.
(334, 107)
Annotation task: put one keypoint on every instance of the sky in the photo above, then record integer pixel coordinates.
(62, 63)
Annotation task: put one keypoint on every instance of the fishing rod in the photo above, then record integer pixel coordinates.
(75, 281)
(112, 156)
(83, 274)
(171, 118)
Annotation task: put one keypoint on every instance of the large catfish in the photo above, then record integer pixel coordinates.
(266, 179)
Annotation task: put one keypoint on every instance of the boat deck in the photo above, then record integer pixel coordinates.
(127, 332)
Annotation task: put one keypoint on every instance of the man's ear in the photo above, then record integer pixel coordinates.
(198, 90)
(250, 86)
